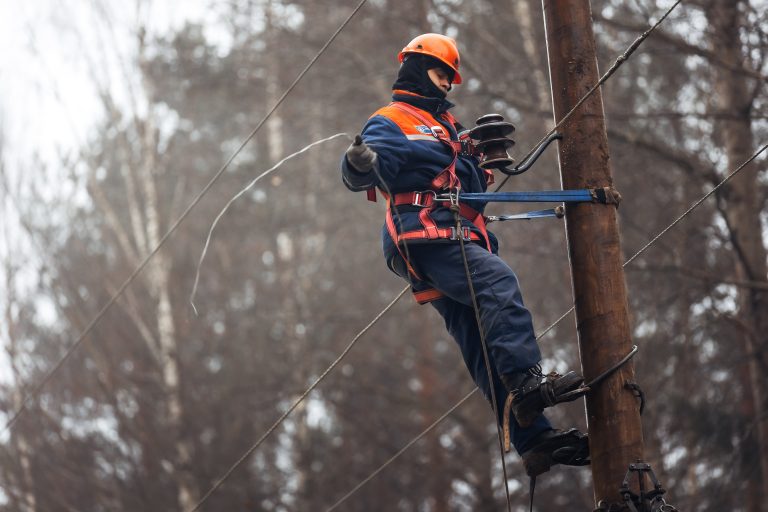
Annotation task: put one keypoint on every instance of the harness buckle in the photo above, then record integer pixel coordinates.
(417, 197)
(453, 199)
(465, 233)
(438, 132)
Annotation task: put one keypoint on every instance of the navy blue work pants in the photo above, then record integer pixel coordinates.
(506, 322)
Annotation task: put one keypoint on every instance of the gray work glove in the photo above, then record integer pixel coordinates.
(360, 156)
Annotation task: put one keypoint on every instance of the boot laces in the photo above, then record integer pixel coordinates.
(535, 371)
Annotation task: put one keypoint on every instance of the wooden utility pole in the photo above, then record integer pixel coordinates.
(602, 316)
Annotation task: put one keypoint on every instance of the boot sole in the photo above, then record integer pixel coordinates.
(569, 448)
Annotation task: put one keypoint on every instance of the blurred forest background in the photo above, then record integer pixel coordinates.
(157, 403)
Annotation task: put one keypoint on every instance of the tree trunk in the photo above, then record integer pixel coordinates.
(274, 124)
(159, 277)
(28, 502)
(742, 207)
(602, 312)
(531, 48)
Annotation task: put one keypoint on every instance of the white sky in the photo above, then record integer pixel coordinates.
(49, 102)
(47, 94)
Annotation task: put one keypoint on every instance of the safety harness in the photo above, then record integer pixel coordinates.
(427, 201)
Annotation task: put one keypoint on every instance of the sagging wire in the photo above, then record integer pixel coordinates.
(402, 450)
(220, 481)
(238, 196)
(697, 203)
(296, 403)
(103, 311)
(484, 344)
(672, 225)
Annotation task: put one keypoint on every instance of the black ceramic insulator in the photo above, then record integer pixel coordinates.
(492, 133)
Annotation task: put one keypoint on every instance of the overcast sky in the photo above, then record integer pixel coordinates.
(47, 94)
(48, 100)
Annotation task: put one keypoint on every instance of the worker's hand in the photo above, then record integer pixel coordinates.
(360, 156)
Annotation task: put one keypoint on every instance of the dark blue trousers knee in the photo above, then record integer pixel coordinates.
(461, 324)
(506, 323)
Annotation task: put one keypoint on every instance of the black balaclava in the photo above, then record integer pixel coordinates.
(413, 76)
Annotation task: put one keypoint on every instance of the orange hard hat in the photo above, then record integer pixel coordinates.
(441, 47)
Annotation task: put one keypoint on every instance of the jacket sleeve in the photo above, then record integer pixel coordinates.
(392, 150)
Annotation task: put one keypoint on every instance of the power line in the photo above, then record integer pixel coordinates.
(696, 204)
(238, 196)
(638, 253)
(301, 398)
(403, 450)
(37, 389)
(621, 59)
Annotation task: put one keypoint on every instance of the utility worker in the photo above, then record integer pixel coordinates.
(410, 150)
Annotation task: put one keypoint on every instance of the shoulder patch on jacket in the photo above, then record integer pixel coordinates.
(411, 127)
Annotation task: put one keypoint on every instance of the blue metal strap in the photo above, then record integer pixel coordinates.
(537, 214)
(542, 196)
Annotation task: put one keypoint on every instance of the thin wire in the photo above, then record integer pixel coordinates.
(328, 370)
(421, 436)
(545, 331)
(673, 224)
(621, 59)
(486, 359)
(301, 398)
(172, 229)
(402, 450)
(238, 196)
(697, 203)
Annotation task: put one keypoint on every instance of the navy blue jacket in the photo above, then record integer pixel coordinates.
(409, 158)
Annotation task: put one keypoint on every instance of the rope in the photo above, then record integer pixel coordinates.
(238, 196)
(301, 398)
(484, 344)
(37, 389)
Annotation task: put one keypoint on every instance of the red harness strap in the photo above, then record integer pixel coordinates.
(445, 180)
(426, 200)
(428, 295)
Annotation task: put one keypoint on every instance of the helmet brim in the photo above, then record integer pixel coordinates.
(456, 75)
